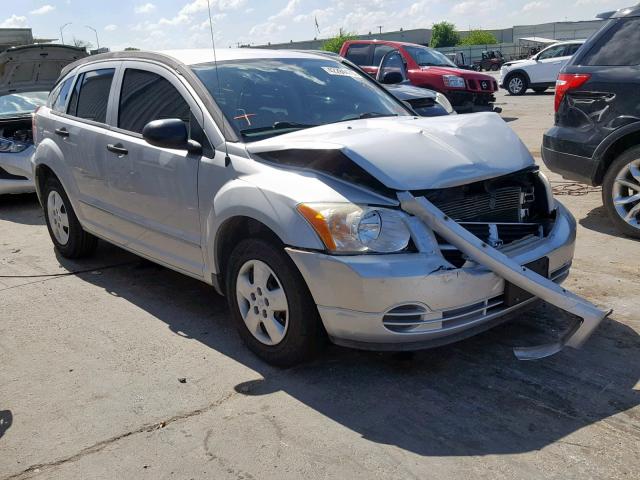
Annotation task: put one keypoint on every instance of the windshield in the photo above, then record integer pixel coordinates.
(21, 103)
(427, 57)
(267, 97)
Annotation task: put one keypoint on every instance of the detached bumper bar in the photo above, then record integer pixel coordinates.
(589, 315)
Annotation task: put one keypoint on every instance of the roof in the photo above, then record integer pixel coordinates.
(206, 55)
(391, 42)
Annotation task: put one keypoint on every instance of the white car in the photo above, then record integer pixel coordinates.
(538, 72)
(27, 74)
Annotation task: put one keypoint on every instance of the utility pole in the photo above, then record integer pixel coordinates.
(61, 29)
(380, 29)
(96, 32)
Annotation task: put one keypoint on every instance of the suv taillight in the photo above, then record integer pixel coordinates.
(566, 82)
(33, 126)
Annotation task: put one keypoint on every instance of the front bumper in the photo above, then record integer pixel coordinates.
(364, 301)
(16, 172)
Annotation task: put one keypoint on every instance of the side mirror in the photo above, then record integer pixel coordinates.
(391, 78)
(170, 133)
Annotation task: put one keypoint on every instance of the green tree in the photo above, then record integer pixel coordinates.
(444, 34)
(334, 44)
(479, 37)
(131, 49)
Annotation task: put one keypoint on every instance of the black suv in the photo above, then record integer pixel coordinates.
(596, 137)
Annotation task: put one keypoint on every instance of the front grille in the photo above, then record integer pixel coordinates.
(4, 175)
(500, 205)
(499, 211)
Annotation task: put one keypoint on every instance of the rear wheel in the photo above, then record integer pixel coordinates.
(540, 89)
(495, 67)
(270, 304)
(621, 192)
(65, 230)
(517, 84)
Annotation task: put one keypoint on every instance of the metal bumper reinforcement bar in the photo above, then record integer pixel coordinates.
(588, 315)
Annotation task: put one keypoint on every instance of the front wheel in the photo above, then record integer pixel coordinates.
(65, 230)
(621, 192)
(495, 67)
(517, 84)
(271, 305)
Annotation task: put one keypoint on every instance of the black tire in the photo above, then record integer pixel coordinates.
(540, 89)
(511, 84)
(80, 243)
(607, 191)
(495, 67)
(305, 334)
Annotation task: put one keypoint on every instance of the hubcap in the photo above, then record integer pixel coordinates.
(262, 302)
(515, 85)
(58, 217)
(626, 193)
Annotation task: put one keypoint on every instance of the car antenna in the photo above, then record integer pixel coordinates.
(227, 159)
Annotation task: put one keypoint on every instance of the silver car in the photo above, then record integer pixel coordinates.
(27, 75)
(309, 196)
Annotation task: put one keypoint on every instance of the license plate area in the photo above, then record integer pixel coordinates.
(513, 295)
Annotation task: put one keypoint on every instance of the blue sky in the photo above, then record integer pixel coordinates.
(161, 24)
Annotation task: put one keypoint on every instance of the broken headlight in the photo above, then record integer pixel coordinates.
(11, 146)
(349, 228)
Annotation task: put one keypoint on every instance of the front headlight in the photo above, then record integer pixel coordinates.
(11, 146)
(453, 81)
(348, 228)
(444, 103)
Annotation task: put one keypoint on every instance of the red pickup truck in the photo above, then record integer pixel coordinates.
(400, 62)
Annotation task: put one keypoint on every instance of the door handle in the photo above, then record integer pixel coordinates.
(62, 132)
(118, 149)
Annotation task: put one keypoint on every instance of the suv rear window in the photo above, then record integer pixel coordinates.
(358, 53)
(145, 97)
(618, 46)
(91, 95)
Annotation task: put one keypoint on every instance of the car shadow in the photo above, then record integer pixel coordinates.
(6, 420)
(598, 221)
(470, 398)
(24, 209)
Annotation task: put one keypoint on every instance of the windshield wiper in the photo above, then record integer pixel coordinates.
(278, 126)
(368, 115)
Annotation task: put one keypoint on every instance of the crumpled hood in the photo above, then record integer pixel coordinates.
(405, 153)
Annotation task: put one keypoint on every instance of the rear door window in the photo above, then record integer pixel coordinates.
(358, 53)
(61, 95)
(145, 97)
(90, 97)
(616, 47)
(571, 49)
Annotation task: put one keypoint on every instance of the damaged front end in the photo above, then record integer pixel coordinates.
(484, 252)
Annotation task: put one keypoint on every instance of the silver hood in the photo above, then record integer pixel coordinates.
(409, 153)
(35, 68)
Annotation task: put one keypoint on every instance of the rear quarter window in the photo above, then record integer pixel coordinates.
(616, 47)
(358, 53)
(61, 94)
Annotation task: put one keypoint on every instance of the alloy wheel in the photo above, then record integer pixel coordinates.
(626, 193)
(58, 217)
(262, 302)
(516, 85)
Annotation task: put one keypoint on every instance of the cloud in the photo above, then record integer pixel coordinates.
(14, 21)
(110, 28)
(43, 10)
(533, 6)
(201, 6)
(144, 8)
(474, 6)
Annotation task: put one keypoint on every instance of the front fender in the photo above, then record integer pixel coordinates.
(239, 198)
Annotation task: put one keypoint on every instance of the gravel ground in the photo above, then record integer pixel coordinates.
(91, 363)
